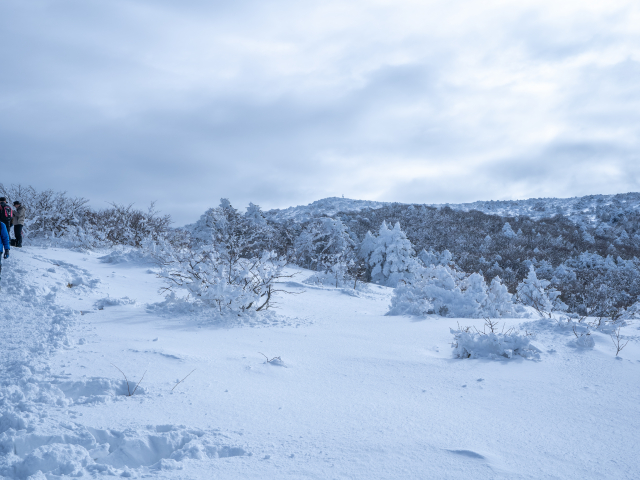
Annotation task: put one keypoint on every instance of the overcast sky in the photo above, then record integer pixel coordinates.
(285, 102)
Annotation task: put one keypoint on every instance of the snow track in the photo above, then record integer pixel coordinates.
(34, 442)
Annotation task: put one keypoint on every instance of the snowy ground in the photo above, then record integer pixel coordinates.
(361, 395)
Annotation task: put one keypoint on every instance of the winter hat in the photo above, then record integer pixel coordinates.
(3, 199)
(17, 203)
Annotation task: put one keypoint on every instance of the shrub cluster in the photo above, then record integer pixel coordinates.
(56, 218)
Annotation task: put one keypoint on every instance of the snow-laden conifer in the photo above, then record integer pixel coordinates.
(392, 259)
(499, 302)
(323, 243)
(255, 215)
(539, 294)
(508, 232)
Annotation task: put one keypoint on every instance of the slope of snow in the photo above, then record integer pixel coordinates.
(358, 395)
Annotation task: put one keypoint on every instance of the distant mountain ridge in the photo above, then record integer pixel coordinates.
(327, 206)
(577, 208)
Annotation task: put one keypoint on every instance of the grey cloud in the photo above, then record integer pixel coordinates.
(92, 104)
(559, 170)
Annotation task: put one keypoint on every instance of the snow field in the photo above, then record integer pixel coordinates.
(360, 395)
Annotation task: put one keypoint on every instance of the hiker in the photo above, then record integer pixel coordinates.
(18, 222)
(6, 214)
(4, 243)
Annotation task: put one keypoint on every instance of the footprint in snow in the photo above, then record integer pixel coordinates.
(468, 453)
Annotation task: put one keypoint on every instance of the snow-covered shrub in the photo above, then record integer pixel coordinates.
(584, 340)
(125, 225)
(130, 254)
(330, 279)
(220, 264)
(255, 215)
(443, 290)
(440, 290)
(247, 235)
(467, 344)
(227, 282)
(539, 294)
(54, 218)
(633, 312)
(48, 213)
(219, 267)
(324, 245)
(431, 258)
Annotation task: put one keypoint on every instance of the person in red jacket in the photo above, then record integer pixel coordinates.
(6, 213)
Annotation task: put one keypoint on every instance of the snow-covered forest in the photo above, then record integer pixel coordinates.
(305, 340)
(588, 255)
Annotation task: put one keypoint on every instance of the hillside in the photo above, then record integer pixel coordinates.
(577, 208)
(327, 206)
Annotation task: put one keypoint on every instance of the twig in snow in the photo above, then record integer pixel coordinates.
(183, 379)
(274, 360)
(490, 323)
(617, 341)
(129, 392)
(464, 329)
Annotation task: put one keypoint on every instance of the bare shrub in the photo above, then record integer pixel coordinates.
(617, 341)
(129, 391)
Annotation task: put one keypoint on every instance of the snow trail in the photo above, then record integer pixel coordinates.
(34, 441)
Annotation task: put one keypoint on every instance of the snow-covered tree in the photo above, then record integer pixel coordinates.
(217, 225)
(365, 250)
(508, 232)
(392, 259)
(430, 257)
(539, 294)
(255, 215)
(323, 243)
(499, 302)
(246, 235)
(474, 292)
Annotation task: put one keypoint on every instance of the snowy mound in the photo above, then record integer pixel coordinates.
(132, 255)
(113, 302)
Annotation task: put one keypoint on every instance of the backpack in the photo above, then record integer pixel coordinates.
(6, 213)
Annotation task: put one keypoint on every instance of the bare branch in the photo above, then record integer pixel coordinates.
(183, 379)
(617, 341)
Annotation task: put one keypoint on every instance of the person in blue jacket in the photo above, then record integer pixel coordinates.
(5, 244)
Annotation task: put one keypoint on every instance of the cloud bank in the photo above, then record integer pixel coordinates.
(283, 102)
